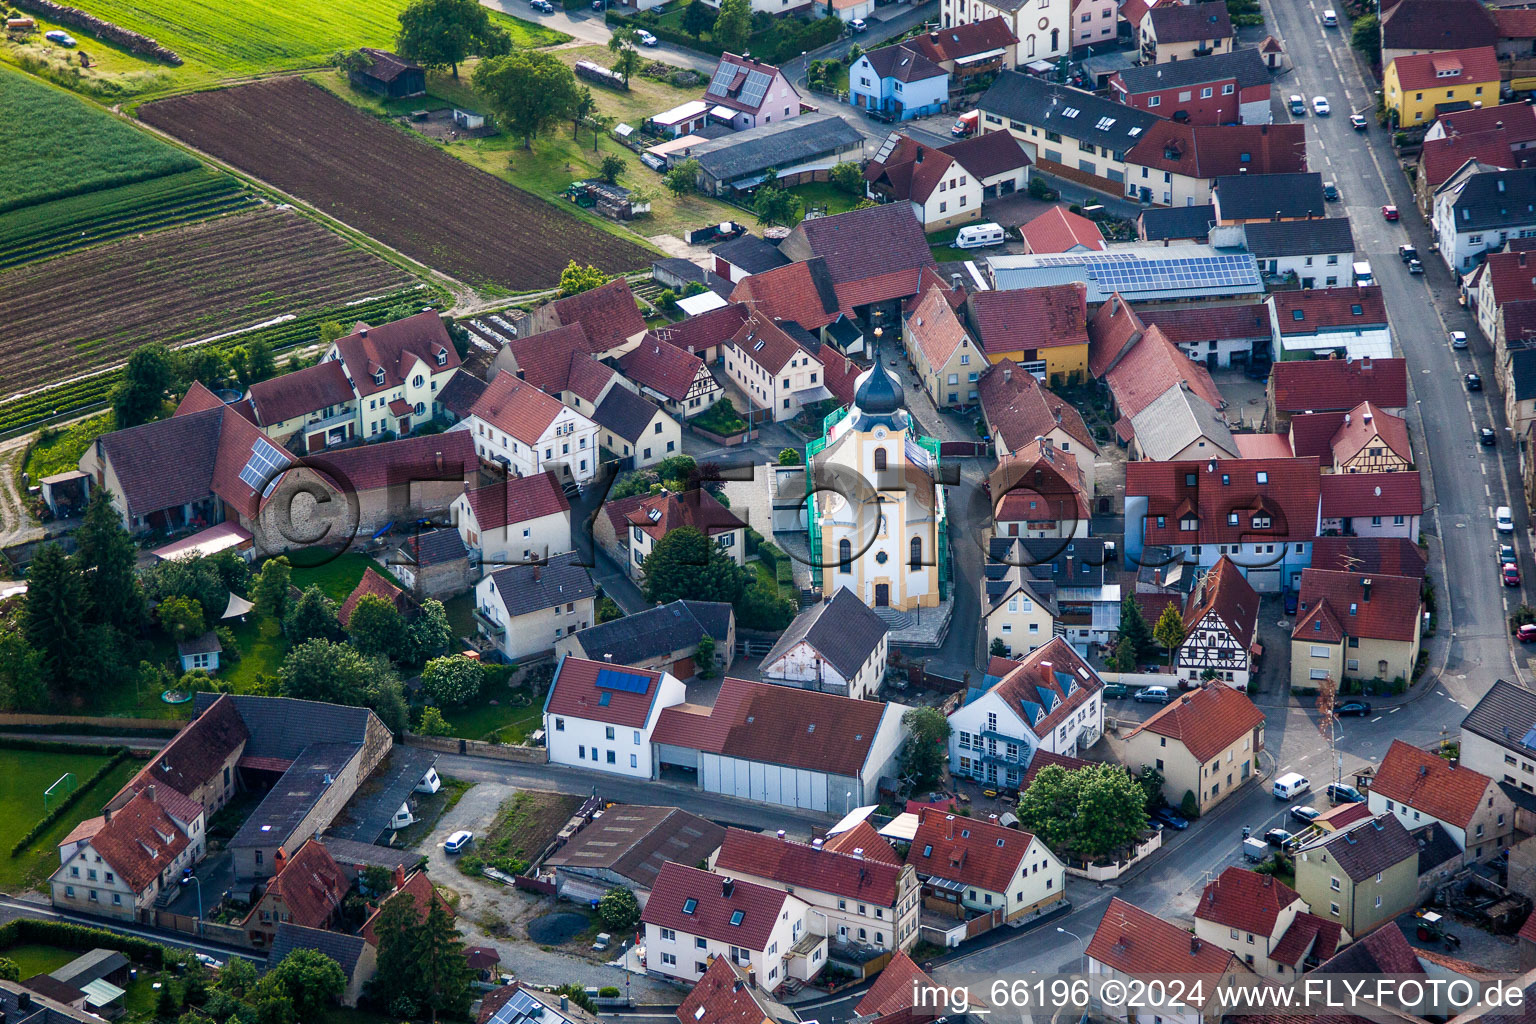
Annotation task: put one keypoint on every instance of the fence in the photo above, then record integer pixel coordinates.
(1116, 868)
(90, 725)
(963, 449)
(186, 924)
(475, 748)
(535, 885)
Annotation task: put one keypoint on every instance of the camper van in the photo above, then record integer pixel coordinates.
(978, 236)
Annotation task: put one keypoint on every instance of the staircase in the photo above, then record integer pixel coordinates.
(894, 617)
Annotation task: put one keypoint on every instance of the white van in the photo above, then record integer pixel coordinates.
(1503, 520)
(1363, 273)
(1290, 784)
(977, 236)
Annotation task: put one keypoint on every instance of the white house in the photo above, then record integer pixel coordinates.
(1052, 701)
(1220, 623)
(117, 864)
(745, 93)
(694, 915)
(1131, 944)
(601, 717)
(1318, 253)
(1419, 787)
(838, 646)
(899, 81)
(970, 867)
(1043, 27)
(1498, 736)
(773, 369)
(514, 521)
(524, 610)
(396, 371)
(516, 425)
(1477, 210)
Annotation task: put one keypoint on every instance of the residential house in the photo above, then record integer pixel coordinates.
(601, 717)
(694, 916)
(1172, 32)
(781, 745)
(797, 150)
(971, 867)
(941, 191)
(1476, 212)
(1151, 368)
(1075, 579)
(627, 847)
(745, 93)
(1498, 736)
(1043, 30)
(1494, 137)
(727, 994)
(968, 50)
(1351, 321)
(312, 408)
(856, 902)
(519, 427)
(1433, 26)
(774, 370)
(199, 764)
(1177, 164)
(1243, 198)
(387, 74)
(630, 527)
(944, 356)
(1389, 556)
(525, 610)
(1335, 385)
(608, 316)
(996, 160)
(661, 638)
(1502, 284)
(1362, 440)
(559, 363)
(357, 959)
(1052, 701)
(874, 257)
(1371, 504)
(514, 521)
(1265, 923)
(122, 868)
(1205, 743)
(1132, 945)
(1315, 253)
(1017, 408)
(1059, 230)
(432, 564)
(1018, 607)
(1352, 626)
(1043, 331)
(1417, 86)
(1169, 224)
(837, 646)
(416, 892)
(802, 292)
(1418, 787)
(1214, 335)
(635, 430)
(896, 996)
(1361, 875)
(1065, 130)
(1093, 22)
(1220, 628)
(307, 892)
(1039, 491)
(672, 376)
(1177, 425)
(396, 370)
(703, 335)
(899, 81)
(1221, 88)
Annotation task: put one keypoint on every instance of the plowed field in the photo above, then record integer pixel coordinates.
(381, 181)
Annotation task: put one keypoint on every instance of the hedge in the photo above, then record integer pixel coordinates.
(60, 746)
(48, 820)
(773, 45)
(27, 930)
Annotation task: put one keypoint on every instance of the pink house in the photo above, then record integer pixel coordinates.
(745, 93)
(1094, 21)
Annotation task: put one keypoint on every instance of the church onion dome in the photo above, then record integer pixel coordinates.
(875, 392)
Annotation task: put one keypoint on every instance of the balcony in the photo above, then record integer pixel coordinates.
(487, 625)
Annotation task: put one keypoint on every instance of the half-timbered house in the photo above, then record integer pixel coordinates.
(1220, 622)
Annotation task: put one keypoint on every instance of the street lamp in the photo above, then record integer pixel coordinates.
(189, 877)
(1079, 938)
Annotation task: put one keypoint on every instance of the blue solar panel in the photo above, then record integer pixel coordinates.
(628, 682)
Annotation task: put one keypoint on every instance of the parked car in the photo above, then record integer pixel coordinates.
(1116, 691)
(1473, 382)
(1291, 602)
(1527, 633)
(1320, 106)
(1298, 105)
(1330, 19)
(1407, 252)
(1152, 695)
(1168, 816)
(1487, 438)
(542, 6)
(1503, 521)
(1352, 708)
(208, 961)
(1278, 837)
(62, 38)
(1338, 793)
(1511, 574)
(1415, 267)
(1358, 122)
(1330, 192)
(857, 25)
(1305, 813)
(1289, 785)
(1458, 340)
(965, 124)
(1389, 212)
(458, 841)
(1506, 553)
(646, 38)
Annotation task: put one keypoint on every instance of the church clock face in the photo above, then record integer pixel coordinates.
(880, 433)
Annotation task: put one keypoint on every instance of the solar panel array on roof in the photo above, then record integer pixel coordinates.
(720, 85)
(628, 682)
(1127, 271)
(756, 88)
(263, 465)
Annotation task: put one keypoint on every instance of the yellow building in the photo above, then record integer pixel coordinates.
(1417, 85)
(1043, 330)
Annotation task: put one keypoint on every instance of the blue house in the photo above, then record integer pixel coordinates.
(897, 81)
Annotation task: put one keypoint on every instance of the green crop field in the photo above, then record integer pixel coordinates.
(24, 774)
(57, 145)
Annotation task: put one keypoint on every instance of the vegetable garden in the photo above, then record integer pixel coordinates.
(383, 182)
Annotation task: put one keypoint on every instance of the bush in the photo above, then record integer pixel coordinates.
(1038, 189)
(608, 992)
(27, 930)
(1189, 806)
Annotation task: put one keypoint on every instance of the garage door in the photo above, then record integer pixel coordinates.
(1265, 581)
(683, 668)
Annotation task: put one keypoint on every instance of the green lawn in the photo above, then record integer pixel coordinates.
(60, 451)
(338, 576)
(825, 194)
(33, 958)
(513, 715)
(943, 251)
(24, 775)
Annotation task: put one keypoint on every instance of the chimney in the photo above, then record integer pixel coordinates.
(537, 572)
(150, 792)
(933, 37)
(1365, 590)
(399, 875)
(438, 461)
(858, 852)
(949, 820)
(106, 815)
(920, 158)
(608, 658)
(1008, 370)
(954, 282)
(1194, 945)
(1366, 418)
(1522, 259)
(781, 833)
(736, 985)
(1346, 419)
(565, 1004)
(727, 886)
(816, 844)
(362, 332)
(752, 977)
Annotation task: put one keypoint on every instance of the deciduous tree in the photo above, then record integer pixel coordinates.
(612, 167)
(623, 45)
(733, 25)
(377, 627)
(270, 591)
(309, 979)
(1365, 36)
(848, 176)
(683, 178)
(1087, 812)
(697, 18)
(182, 618)
(775, 205)
(146, 379)
(685, 563)
(432, 723)
(443, 33)
(23, 683)
(582, 108)
(312, 616)
(528, 91)
(452, 680)
(1169, 631)
(576, 278)
(619, 909)
(926, 748)
(429, 633)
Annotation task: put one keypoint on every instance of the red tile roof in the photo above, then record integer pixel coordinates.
(445, 456)
(1312, 433)
(517, 408)
(1185, 325)
(766, 343)
(197, 399)
(665, 369)
(912, 170)
(608, 314)
(722, 996)
(862, 244)
(1133, 942)
(732, 96)
(1329, 309)
(1429, 783)
(1018, 408)
(715, 899)
(778, 725)
(422, 894)
(893, 992)
(374, 584)
(198, 753)
(895, 284)
(1226, 592)
(1030, 318)
(396, 348)
(1211, 151)
(1445, 68)
(1189, 23)
(517, 499)
(839, 373)
(575, 692)
(1317, 385)
(558, 361)
(1115, 327)
(310, 886)
(140, 841)
(1245, 900)
(1206, 721)
(1152, 366)
(1518, 119)
(803, 292)
(303, 391)
(936, 331)
(1289, 497)
(969, 851)
(1039, 483)
(1441, 158)
(660, 514)
(1371, 494)
(705, 331)
(1363, 425)
(1390, 613)
(1049, 685)
(991, 153)
(1059, 230)
(1263, 446)
(1512, 275)
(1391, 556)
(963, 41)
(1308, 935)
(1528, 930)
(864, 837)
(1044, 758)
(802, 866)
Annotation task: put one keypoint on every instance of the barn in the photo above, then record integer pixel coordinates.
(388, 74)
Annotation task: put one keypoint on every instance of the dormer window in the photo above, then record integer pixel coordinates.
(442, 357)
(378, 377)
(1189, 523)
(1260, 522)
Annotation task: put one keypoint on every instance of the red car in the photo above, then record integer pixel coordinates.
(1511, 574)
(1389, 212)
(1527, 633)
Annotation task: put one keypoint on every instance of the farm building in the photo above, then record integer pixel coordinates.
(389, 75)
(799, 149)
